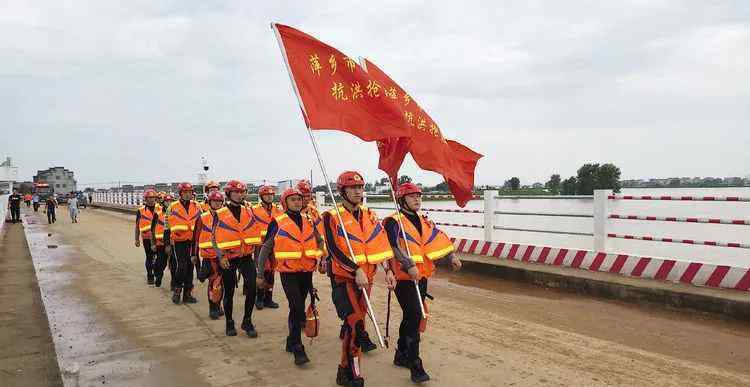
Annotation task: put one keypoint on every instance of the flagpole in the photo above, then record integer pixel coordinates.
(370, 311)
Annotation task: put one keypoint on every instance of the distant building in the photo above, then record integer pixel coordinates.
(59, 178)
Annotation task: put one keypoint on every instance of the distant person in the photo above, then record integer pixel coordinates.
(73, 209)
(51, 206)
(27, 200)
(91, 199)
(14, 204)
(35, 201)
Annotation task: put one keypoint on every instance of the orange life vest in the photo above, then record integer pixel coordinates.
(367, 237)
(205, 242)
(233, 238)
(295, 250)
(181, 222)
(264, 218)
(145, 219)
(430, 245)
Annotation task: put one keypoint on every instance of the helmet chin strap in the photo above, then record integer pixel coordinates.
(345, 197)
(404, 206)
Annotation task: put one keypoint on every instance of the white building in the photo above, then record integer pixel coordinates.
(59, 178)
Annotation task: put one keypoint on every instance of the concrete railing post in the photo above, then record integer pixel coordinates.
(600, 219)
(490, 205)
(320, 199)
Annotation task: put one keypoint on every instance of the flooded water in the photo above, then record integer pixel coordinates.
(708, 232)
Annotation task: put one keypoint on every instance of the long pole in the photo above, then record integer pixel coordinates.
(406, 244)
(370, 311)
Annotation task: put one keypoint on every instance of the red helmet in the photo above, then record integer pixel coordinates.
(210, 184)
(406, 189)
(350, 179)
(215, 196)
(182, 187)
(287, 193)
(235, 186)
(150, 193)
(162, 194)
(266, 190)
(168, 197)
(304, 187)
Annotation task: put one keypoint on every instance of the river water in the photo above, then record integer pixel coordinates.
(704, 232)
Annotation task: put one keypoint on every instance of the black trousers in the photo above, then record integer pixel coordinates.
(246, 267)
(149, 263)
(172, 263)
(51, 218)
(185, 266)
(297, 287)
(36, 206)
(160, 263)
(408, 331)
(15, 213)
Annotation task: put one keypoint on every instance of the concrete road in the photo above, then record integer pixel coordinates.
(484, 331)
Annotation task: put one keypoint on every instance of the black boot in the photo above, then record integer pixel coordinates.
(157, 281)
(230, 328)
(363, 339)
(300, 357)
(249, 328)
(418, 374)
(268, 300)
(343, 376)
(213, 310)
(187, 297)
(357, 382)
(401, 358)
(150, 279)
(259, 300)
(176, 296)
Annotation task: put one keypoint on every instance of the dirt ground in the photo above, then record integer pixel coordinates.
(27, 353)
(483, 331)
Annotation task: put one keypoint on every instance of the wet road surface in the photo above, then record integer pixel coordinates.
(483, 331)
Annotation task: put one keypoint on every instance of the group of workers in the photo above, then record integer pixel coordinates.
(226, 237)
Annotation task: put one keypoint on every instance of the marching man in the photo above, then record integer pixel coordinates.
(353, 274)
(426, 243)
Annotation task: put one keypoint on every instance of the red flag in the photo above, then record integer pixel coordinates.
(392, 153)
(333, 90)
(430, 150)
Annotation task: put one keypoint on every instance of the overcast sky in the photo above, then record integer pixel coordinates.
(140, 90)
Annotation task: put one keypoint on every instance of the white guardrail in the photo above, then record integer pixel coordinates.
(599, 214)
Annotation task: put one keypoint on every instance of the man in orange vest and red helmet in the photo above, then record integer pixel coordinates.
(180, 225)
(264, 212)
(426, 243)
(236, 235)
(296, 247)
(311, 214)
(204, 249)
(144, 220)
(353, 272)
(211, 186)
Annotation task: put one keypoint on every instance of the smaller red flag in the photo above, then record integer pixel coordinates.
(426, 144)
(392, 153)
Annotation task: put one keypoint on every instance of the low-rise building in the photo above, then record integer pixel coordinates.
(60, 179)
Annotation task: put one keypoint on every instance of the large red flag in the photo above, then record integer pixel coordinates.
(333, 90)
(430, 150)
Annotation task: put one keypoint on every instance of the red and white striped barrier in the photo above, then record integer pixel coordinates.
(452, 210)
(682, 198)
(696, 273)
(685, 241)
(685, 220)
(449, 197)
(460, 225)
